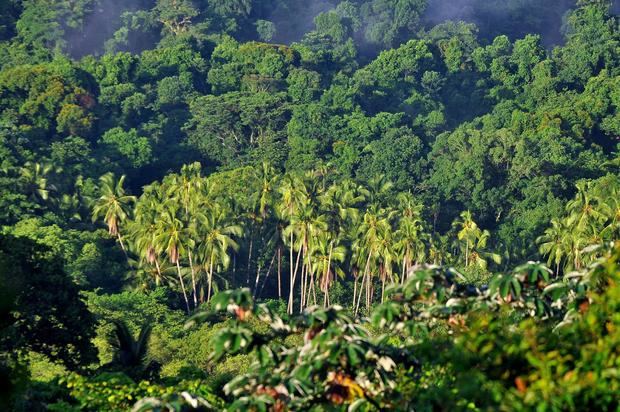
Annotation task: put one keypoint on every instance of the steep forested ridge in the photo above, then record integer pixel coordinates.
(394, 163)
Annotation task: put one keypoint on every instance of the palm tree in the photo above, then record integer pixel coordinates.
(34, 177)
(293, 198)
(145, 276)
(268, 181)
(554, 244)
(191, 191)
(479, 256)
(409, 234)
(326, 256)
(372, 233)
(612, 212)
(583, 210)
(143, 228)
(386, 258)
(341, 203)
(217, 239)
(304, 224)
(187, 186)
(169, 236)
(379, 189)
(130, 353)
(113, 205)
(468, 233)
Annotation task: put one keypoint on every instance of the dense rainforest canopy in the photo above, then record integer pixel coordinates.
(366, 178)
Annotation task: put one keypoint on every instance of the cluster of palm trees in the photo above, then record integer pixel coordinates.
(316, 230)
(591, 217)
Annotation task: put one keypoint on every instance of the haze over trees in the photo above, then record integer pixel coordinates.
(360, 204)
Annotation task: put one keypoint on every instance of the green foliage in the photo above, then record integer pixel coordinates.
(310, 154)
(115, 391)
(47, 314)
(136, 149)
(484, 362)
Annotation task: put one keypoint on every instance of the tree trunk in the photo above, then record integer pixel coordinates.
(302, 291)
(362, 284)
(256, 281)
(354, 290)
(266, 277)
(247, 282)
(158, 280)
(210, 278)
(313, 288)
(182, 286)
(279, 272)
(290, 279)
(293, 279)
(326, 276)
(191, 265)
(361, 292)
(383, 287)
(120, 240)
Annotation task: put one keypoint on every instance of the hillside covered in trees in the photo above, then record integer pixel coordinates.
(272, 205)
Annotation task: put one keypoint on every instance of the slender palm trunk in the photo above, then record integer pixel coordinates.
(120, 240)
(302, 291)
(368, 280)
(191, 265)
(279, 272)
(326, 279)
(182, 286)
(158, 280)
(354, 290)
(266, 276)
(210, 280)
(293, 279)
(291, 284)
(256, 281)
(304, 277)
(313, 288)
(383, 286)
(361, 291)
(249, 261)
(357, 306)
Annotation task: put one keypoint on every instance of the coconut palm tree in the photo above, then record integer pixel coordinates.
(268, 183)
(293, 198)
(341, 203)
(34, 179)
(409, 233)
(170, 234)
(583, 210)
(373, 233)
(468, 233)
(217, 239)
(142, 229)
(379, 189)
(554, 244)
(130, 354)
(326, 257)
(304, 224)
(113, 206)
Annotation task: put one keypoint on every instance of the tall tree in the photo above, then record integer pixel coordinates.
(113, 206)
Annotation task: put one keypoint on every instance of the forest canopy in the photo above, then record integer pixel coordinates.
(197, 193)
